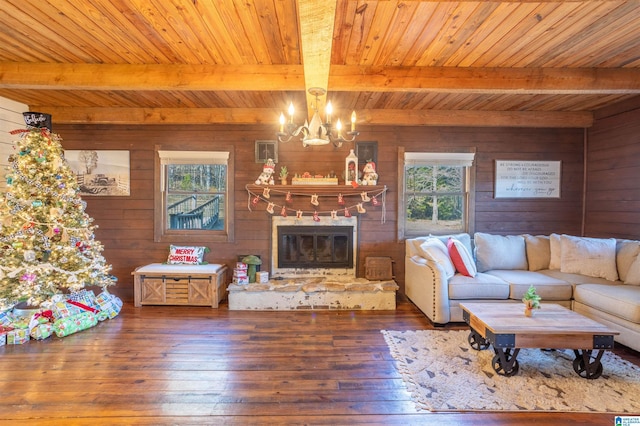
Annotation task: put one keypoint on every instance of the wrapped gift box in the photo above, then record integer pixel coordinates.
(262, 277)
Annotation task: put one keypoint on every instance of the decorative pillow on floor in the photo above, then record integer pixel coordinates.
(500, 252)
(593, 257)
(538, 251)
(433, 249)
(461, 258)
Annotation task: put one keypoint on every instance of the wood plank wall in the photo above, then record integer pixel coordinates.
(126, 223)
(613, 170)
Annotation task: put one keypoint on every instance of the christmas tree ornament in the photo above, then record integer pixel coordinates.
(265, 193)
(365, 196)
(270, 207)
(347, 213)
(340, 200)
(314, 200)
(29, 255)
(316, 217)
(360, 208)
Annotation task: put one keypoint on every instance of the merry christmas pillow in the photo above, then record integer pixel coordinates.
(186, 255)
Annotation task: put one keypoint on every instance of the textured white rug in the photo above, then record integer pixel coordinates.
(443, 373)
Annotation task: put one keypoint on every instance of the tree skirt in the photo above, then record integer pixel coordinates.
(443, 373)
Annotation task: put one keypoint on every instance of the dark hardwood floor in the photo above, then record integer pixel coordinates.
(183, 365)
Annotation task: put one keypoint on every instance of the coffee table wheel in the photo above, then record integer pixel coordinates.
(593, 372)
(478, 342)
(508, 371)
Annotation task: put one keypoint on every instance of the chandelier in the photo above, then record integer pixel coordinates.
(316, 132)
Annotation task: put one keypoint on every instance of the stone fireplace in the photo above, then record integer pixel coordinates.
(313, 266)
(302, 247)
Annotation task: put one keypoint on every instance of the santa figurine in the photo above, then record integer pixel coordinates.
(369, 175)
(266, 177)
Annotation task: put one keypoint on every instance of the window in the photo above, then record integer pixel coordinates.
(195, 203)
(435, 193)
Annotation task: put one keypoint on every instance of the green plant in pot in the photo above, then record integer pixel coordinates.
(531, 301)
(252, 262)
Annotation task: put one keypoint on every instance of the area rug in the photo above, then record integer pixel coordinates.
(443, 373)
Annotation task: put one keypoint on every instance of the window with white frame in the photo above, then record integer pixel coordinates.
(194, 196)
(436, 193)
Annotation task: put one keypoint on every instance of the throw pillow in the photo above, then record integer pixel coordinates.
(633, 275)
(461, 258)
(186, 255)
(433, 249)
(626, 253)
(538, 251)
(500, 252)
(556, 251)
(593, 257)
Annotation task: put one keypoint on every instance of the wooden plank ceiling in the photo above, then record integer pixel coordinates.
(410, 62)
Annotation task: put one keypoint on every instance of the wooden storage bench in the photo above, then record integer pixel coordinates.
(193, 285)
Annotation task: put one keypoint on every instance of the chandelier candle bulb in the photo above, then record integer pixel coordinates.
(329, 110)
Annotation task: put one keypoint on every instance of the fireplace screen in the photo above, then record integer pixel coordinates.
(315, 246)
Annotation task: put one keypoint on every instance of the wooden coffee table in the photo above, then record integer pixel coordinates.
(505, 327)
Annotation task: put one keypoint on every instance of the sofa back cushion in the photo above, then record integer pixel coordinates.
(538, 251)
(626, 253)
(556, 251)
(594, 257)
(633, 274)
(500, 252)
(433, 249)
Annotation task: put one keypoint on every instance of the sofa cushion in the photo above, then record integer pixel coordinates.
(633, 275)
(595, 257)
(622, 301)
(555, 249)
(538, 251)
(626, 253)
(433, 249)
(461, 258)
(500, 252)
(575, 278)
(482, 286)
(547, 287)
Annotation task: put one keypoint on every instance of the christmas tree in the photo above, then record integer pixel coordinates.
(47, 243)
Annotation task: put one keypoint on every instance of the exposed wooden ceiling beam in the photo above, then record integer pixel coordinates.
(68, 115)
(316, 35)
(343, 78)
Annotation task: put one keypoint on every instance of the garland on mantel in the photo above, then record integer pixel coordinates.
(376, 198)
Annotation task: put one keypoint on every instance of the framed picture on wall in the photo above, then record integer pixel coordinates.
(102, 173)
(266, 150)
(527, 179)
(366, 151)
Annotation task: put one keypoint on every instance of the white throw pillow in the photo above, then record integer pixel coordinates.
(538, 251)
(500, 252)
(633, 275)
(556, 251)
(593, 257)
(433, 249)
(461, 258)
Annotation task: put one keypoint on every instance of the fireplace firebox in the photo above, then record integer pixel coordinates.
(315, 247)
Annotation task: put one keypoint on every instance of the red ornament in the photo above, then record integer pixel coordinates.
(255, 200)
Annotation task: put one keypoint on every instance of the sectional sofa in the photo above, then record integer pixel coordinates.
(597, 277)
